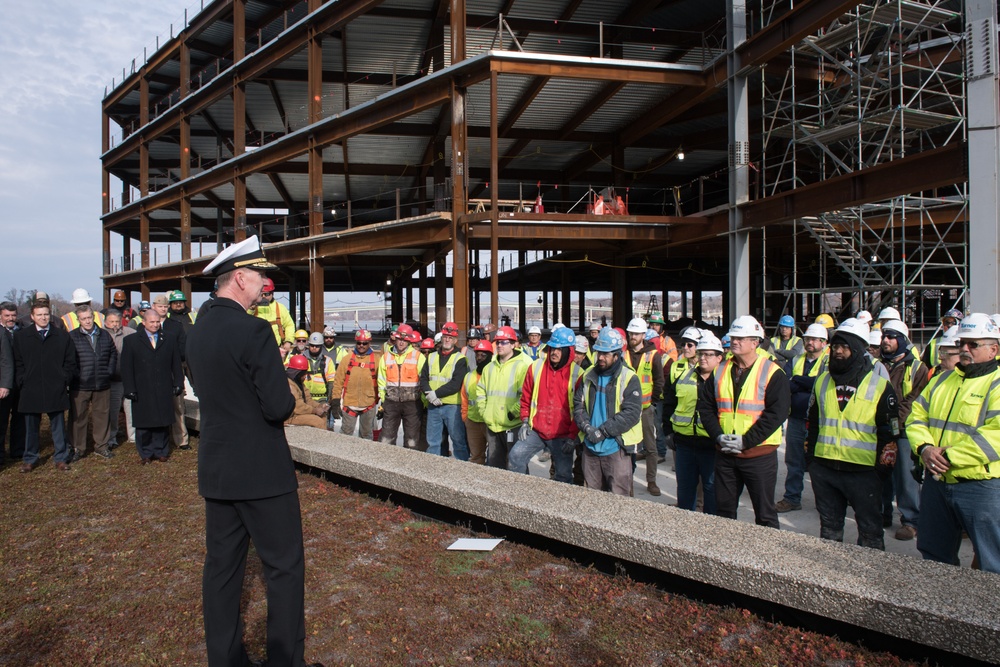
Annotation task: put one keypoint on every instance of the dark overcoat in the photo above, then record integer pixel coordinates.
(152, 376)
(242, 389)
(44, 369)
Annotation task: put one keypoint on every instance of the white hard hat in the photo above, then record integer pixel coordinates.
(996, 318)
(692, 333)
(978, 325)
(950, 337)
(595, 326)
(582, 344)
(746, 326)
(637, 325)
(864, 316)
(852, 326)
(889, 313)
(709, 341)
(875, 337)
(80, 295)
(898, 326)
(816, 331)
(558, 325)
(315, 338)
(534, 330)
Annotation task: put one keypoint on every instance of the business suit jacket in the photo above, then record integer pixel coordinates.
(152, 376)
(44, 369)
(242, 388)
(6, 360)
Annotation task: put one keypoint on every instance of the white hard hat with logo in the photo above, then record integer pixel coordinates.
(889, 313)
(709, 341)
(852, 326)
(897, 326)
(875, 338)
(80, 295)
(978, 325)
(816, 331)
(950, 337)
(864, 316)
(534, 330)
(746, 326)
(637, 325)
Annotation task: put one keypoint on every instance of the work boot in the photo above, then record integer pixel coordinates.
(784, 506)
(653, 489)
(906, 533)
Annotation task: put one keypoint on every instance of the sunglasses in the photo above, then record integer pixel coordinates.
(689, 343)
(363, 343)
(504, 342)
(973, 344)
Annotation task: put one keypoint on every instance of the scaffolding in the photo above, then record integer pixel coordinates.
(883, 81)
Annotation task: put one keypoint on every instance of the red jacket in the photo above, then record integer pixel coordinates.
(553, 416)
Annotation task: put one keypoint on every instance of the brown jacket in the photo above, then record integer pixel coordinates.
(361, 390)
(304, 403)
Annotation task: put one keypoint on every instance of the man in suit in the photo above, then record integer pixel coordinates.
(6, 385)
(245, 470)
(45, 366)
(151, 378)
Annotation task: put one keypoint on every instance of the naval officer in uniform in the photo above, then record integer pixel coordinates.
(245, 470)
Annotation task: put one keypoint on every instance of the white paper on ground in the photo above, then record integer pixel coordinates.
(474, 544)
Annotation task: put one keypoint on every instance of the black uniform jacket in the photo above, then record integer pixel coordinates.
(152, 375)
(44, 369)
(241, 385)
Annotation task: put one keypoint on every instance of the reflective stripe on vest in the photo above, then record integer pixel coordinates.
(685, 418)
(72, 321)
(402, 374)
(737, 415)
(631, 437)
(819, 366)
(442, 376)
(785, 344)
(316, 381)
(535, 370)
(678, 368)
(848, 435)
(475, 413)
(645, 373)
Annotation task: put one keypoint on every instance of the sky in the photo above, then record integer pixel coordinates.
(55, 62)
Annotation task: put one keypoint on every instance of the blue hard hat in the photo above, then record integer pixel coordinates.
(725, 341)
(143, 305)
(609, 340)
(650, 334)
(786, 321)
(562, 337)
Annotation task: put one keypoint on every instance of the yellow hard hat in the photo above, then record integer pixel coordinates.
(301, 334)
(826, 321)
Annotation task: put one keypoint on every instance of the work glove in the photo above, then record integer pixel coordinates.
(568, 446)
(380, 413)
(335, 408)
(595, 435)
(513, 415)
(730, 443)
(522, 433)
(132, 397)
(178, 391)
(669, 440)
(433, 399)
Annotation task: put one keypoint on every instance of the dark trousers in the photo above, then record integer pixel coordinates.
(10, 415)
(275, 526)
(498, 446)
(152, 442)
(406, 413)
(32, 428)
(758, 474)
(835, 490)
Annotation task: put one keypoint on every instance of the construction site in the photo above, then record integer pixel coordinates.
(798, 157)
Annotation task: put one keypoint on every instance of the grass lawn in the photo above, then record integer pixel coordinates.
(102, 565)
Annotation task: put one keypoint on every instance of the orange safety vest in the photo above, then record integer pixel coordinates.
(405, 374)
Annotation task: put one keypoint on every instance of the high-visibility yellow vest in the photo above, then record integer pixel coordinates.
(321, 372)
(645, 373)
(72, 321)
(499, 392)
(820, 366)
(475, 413)
(679, 367)
(631, 437)
(535, 370)
(438, 377)
(785, 344)
(849, 435)
(685, 418)
(962, 414)
(737, 414)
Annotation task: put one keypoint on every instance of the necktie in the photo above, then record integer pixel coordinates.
(152, 341)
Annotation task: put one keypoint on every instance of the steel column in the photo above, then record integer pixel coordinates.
(494, 205)
(984, 155)
(739, 148)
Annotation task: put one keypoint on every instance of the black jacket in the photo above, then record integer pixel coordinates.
(6, 360)
(242, 388)
(44, 369)
(151, 376)
(97, 364)
(173, 327)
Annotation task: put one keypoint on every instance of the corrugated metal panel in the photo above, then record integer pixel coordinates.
(631, 103)
(539, 9)
(594, 11)
(262, 188)
(479, 151)
(558, 101)
(377, 44)
(380, 149)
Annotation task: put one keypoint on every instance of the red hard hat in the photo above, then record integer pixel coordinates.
(403, 330)
(413, 337)
(449, 329)
(268, 285)
(506, 333)
(624, 337)
(363, 335)
(427, 344)
(299, 363)
(484, 346)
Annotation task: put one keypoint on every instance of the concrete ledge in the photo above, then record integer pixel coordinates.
(954, 610)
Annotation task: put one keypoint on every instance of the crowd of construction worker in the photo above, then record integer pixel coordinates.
(878, 426)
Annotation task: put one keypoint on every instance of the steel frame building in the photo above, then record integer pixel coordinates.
(403, 146)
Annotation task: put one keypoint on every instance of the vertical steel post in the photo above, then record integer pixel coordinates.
(739, 146)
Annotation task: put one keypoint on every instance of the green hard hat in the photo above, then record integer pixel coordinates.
(177, 295)
(656, 317)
